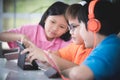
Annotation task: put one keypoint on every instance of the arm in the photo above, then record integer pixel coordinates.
(61, 63)
(81, 72)
(11, 36)
(37, 53)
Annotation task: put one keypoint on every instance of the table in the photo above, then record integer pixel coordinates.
(10, 71)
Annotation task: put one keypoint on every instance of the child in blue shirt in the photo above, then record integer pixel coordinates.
(99, 31)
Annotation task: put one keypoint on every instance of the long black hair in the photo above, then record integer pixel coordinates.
(57, 8)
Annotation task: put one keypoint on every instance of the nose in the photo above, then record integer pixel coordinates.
(71, 31)
(55, 28)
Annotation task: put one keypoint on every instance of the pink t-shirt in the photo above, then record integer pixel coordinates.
(37, 35)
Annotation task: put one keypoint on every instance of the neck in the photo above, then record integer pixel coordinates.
(99, 38)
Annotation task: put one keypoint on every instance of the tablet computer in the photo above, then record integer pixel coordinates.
(54, 71)
(22, 63)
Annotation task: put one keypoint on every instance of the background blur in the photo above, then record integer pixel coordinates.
(15, 13)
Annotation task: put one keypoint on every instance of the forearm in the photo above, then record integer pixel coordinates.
(84, 73)
(66, 72)
(10, 36)
(62, 63)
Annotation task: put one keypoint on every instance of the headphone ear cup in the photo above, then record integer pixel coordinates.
(94, 25)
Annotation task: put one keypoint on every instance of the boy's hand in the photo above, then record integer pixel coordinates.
(34, 52)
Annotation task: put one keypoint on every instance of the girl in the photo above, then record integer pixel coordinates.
(50, 34)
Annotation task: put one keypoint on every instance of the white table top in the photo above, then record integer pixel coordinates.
(10, 71)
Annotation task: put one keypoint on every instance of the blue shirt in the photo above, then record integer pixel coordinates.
(104, 60)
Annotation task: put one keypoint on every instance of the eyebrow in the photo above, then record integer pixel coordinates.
(60, 24)
(73, 24)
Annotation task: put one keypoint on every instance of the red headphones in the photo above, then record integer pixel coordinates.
(94, 24)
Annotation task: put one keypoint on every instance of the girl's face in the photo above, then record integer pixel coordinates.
(55, 26)
(74, 27)
(87, 36)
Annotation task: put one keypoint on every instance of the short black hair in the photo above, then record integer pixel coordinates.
(77, 11)
(107, 13)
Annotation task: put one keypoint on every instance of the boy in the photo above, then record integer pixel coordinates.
(99, 32)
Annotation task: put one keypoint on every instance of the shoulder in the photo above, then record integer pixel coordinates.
(31, 26)
(27, 28)
(65, 43)
(70, 49)
(71, 46)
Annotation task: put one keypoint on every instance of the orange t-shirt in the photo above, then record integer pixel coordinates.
(74, 53)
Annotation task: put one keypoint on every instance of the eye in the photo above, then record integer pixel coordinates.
(72, 26)
(62, 27)
(52, 21)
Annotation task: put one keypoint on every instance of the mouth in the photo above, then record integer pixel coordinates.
(73, 38)
(52, 33)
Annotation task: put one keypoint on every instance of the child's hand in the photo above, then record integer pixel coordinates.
(24, 38)
(34, 52)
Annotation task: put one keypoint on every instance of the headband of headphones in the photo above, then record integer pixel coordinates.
(94, 24)
(91, 9)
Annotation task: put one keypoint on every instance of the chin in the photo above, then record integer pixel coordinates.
(87, 46)
(75, 42)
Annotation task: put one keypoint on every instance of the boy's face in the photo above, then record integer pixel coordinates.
(87, 36)
(74, 27)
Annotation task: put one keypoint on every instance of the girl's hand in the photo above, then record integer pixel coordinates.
(23, 38)
(34, 52)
